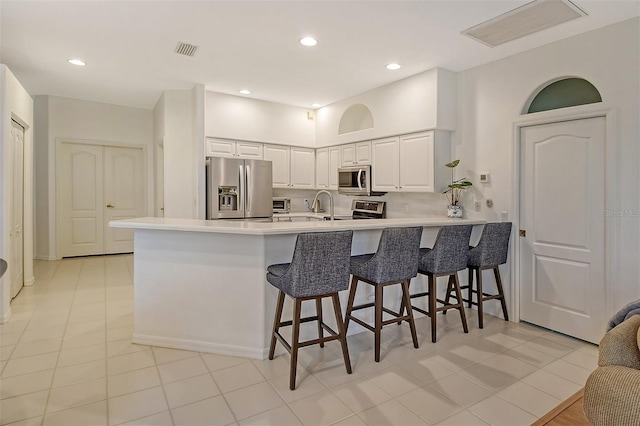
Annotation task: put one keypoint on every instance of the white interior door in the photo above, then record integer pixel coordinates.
(80, 199)
(123, 195)
(562, 213)
(17, 243)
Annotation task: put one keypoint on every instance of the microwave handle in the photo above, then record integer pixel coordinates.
(359, 178)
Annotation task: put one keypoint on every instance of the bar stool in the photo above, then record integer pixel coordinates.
(448, 256)
(395, 262)
(319, 269)
(490, 252)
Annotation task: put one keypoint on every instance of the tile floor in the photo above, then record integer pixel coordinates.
(66, 359)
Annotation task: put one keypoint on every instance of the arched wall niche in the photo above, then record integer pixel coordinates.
(356, 117)
(562, 93)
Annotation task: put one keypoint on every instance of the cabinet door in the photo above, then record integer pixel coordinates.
(249, 150)
(348, 154)
(363, 153)
(334, 165)
(322, 168)
(279, 156)
(220, 147)
(417, 162)
(385, 165)
(303, 166)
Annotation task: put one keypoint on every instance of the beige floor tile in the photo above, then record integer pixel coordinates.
(164, 355)
(33, 421)
(550, 346)
(26, 383)
(37, 347)
(569, 371)
(30, 364)
(212, 411)
(88, 339)
(77, 394)
(272, 368)
(124, 347)
(252, 400)
(427, 368)
(190, 390)
(321, 409)
(504, 340)
(10, 339)
(119, 333)
(82, 355)
(460, 390)
(160, 419)
(361, 395)
(237, 377)
(509, 364)
(530, 355)
(281, 416)
(497, 411)
(529, 398)
(42, 333)
(123, 321)
(584, 359)
(23, 407)
(354, 420)
(390, 413)
(136, 405)
(395, 381)
(94, 414)
(78, 328)
(132, 381)
(178, 370)
(13, 326)
(218, 362)
(429, 404)
(80, 373)
(5, 351)
(463, 418)
(306, 384)
(489, 378)
(134, 361)
(334, 373)
(550, 383)
(80, 317)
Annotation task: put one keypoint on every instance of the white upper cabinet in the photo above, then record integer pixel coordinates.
(327, 165)
(229, 148)
(335, 160)
(356, 153)
(293, 167)
(279, 156)
(412, 163)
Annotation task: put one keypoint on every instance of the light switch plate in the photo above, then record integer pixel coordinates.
(485, 177)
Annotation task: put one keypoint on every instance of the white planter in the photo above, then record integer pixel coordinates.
(454, 211)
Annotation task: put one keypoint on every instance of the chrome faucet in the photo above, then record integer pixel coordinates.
(315, 201)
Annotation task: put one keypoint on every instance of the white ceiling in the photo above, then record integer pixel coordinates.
(129, 45)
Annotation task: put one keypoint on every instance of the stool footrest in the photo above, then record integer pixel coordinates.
(302, 320)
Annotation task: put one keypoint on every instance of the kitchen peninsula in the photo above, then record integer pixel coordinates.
(200, 284)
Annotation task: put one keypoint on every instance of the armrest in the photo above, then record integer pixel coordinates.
(612, 396)
(620, 345)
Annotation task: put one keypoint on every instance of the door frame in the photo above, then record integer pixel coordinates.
(611, 227)
(56, 208)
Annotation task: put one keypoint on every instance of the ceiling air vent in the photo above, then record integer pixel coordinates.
(528, 19)
(186, 49)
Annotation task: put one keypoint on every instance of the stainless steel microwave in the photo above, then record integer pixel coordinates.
(354, 180)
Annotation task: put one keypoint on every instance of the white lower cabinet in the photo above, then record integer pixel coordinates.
(293, 167)
(411, 163)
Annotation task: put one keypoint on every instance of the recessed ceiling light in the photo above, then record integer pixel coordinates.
(308, 41)
(245, 92)
(77, 62)
(315, 105)
(393, 66)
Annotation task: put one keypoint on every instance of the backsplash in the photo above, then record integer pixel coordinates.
(399, 204)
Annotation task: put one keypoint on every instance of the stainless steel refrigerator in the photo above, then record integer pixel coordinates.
(239, 189)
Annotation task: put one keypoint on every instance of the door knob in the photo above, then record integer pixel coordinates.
(109, 206)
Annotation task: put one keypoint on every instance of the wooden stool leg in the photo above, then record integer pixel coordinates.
(456, 284)
(319, 314)
(407, 301)
(470, 291)
(450, 288)
(295, 339)
(378, 320)
(342, 331)
(432, 306)
(276, 323)
(480, 298)
(352, 297)
(496, 273)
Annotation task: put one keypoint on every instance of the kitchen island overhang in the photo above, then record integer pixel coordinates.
(200, 285)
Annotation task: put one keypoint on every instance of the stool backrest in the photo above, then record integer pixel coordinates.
(450, 251)
(320, 263)
(493, 246)
(397, 256)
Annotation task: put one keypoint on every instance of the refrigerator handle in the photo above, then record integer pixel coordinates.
(248, 185)
(243, 186)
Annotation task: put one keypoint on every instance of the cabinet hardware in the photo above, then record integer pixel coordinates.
(109, 206)
(523, 233)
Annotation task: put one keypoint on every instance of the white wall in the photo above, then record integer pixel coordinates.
(235, 117)
(492, 97)
(15, 103)
(65, 119)
(420, 102)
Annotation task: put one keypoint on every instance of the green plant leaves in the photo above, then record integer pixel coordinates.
(453, 164)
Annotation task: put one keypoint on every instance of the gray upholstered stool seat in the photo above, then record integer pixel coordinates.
(448, 256)
(319, 269)
(490, 252)
(395, 262)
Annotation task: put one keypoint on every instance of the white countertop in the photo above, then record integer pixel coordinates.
(248, 227)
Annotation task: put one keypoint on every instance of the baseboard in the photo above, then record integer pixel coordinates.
(48, 258)
(6, 316)
(194, 345)
(30, 281)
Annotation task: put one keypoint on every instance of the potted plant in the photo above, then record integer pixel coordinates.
(454, 189)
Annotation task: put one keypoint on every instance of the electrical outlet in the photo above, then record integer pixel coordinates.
(504, 216)
(476, 205)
